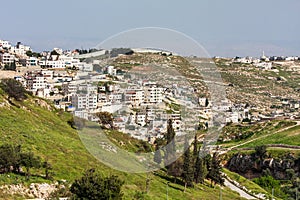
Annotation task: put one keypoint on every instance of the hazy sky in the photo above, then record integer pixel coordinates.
(225, 28)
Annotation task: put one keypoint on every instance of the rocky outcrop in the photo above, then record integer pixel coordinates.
(35, 190)
(251, 166)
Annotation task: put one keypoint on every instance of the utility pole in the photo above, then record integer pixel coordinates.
(296, 193)
(272, 193)
(220, 193)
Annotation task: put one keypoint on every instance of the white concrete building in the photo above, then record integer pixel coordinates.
(87, 67)
(134, 96)
(55, 64)
(48, 74)
(264, 65)
(203, 101)
(7, 58)
(81, 114)
(20, 49)
(84, 101)
(85, 97)
(153, 94)
(234, 118)
(111, 70)
(5, 44)
(36, 82)
(60, 62)
(115, 97)
(87, 88)
(69, 88)
(140, 119)
(32, 61)
(70, 62)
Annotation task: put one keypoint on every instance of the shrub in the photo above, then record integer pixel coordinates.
(94, 186)
(14, 89)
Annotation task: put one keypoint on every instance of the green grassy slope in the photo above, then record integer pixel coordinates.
(38, 127)
(274, 132)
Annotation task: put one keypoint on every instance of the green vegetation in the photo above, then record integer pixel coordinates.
(288, 137)
(11, 66)
(93, 186)
(14, 89)
(269, 183)
(105, 119)
(272, 171)
(255, 189)
(47, 133)
(33, 54)
(273, 132)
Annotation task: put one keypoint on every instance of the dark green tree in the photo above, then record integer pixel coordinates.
(261, 152)
(106, 119)
(14, 89)
(48, 167)
(176, 168)
(200, 169)
(11, 66)
(93, 186)
(29, 160)
(10, 157)
(187, 174)
(195, 148)
(215, 170)
(170, 148)
(33, 54)
(269, 183)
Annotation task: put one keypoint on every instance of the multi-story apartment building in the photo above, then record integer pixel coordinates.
(69, 88)
(85, 97)
(36, 82)
(7, 58)
(134, 96)
(32, 61)
(84, 101)
(20, 49)
(153, 94)
(48, 74)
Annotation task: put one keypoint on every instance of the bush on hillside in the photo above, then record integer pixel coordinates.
(14, 89)
(94, 186)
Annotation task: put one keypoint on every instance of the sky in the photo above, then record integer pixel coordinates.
(223, 28)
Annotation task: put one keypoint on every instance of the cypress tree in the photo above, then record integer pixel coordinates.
(215, 174)
(170, 148)
(187, 173)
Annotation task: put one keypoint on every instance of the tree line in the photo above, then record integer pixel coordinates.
(14, 160)
(190, 168)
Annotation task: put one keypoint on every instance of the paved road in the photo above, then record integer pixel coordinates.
(238, 190)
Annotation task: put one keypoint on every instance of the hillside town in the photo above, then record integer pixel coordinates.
(141, 104)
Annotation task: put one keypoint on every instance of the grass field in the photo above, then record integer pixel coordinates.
(275, 132)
